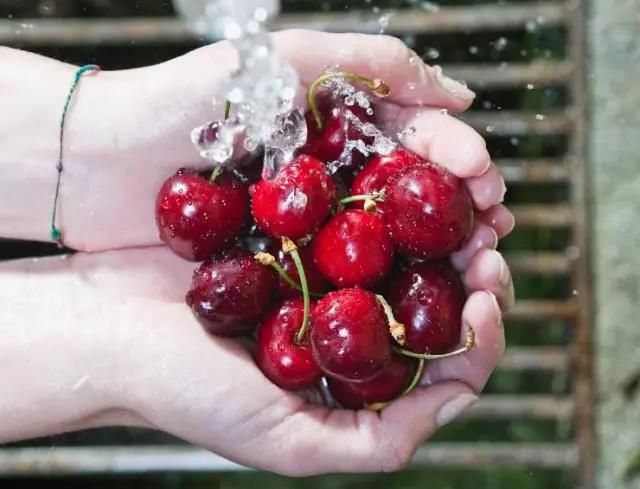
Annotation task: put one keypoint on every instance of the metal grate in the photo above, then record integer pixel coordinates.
(564, 261)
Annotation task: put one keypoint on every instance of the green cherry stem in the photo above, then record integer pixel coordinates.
(468, 344)
(290, 247)
(217, 170)
(270, 261)
(415, 380)
(370, 201)
(376, 86)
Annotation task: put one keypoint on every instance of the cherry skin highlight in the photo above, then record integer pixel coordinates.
(350, 335)
(353, 249)
(387, 386)
(315, 279)
(197, 218)
(285, 362)
(428, 299)
(296, 202)
(428, 210)
(230, 293)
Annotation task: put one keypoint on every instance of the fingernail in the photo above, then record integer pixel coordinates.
(503, 190)
(454, 408)
(494, 301)
(503, 270)
(454, 87)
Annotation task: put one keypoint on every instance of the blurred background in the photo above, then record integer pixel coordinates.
(558, 94)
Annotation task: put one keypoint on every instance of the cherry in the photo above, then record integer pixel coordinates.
(387, 386)
(428, 211)
(377, 172)
(428, 299)
(283, 360)
(350, 335)
(296, 202)
(230, 293)
(353, 249)
(316, 280)
(196, 217)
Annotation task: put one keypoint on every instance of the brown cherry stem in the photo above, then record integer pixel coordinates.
(270, 261)
(290, 247)
(396, 328)
(376, 86)
(415, 380)
(468, 344)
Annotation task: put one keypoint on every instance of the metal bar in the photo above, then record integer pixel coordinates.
(148, 459)
(542, 358)
(533, 170)
(512, 75)
(527, 310)
(162, 30)
(539, 263)
(543, 215)
(499, 408)
(512, 123)
(584, 381)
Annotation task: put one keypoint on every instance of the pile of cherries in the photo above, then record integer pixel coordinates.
(351, 285)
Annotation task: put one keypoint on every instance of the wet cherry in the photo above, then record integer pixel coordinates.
(316, 280)
(428, 299)
(350, 335)
(428, 210)
(296, 202)
(283, 360)
(353, 249)
(196, 217)
(377, 172)
(230, 293)
(387, 386)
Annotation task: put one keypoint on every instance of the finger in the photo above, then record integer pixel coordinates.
(483, 236)
(437, 137)
(482, 314)
(321, 440)
(499, 218)
(488, 189)
(387, 58)
(489, 271)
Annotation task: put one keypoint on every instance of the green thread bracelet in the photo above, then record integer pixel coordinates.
(54, 233)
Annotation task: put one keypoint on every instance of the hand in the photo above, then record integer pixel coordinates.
(129, 130)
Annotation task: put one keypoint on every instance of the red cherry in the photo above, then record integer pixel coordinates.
(316, 281)
(296, 202)
(387, 386)
(428, 211)
(283, 360)
(197, 218)
(229, 294)
(377, 172)
(328, 144)
(353, 249)
(350, 335)
(428, 299)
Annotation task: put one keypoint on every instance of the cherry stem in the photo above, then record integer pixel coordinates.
(396, 329)
(227, 109)
(415, 380)
(270, 261)
(375, 197)
(217, 170)
(290, 247)
(468, 344)
(376, 86)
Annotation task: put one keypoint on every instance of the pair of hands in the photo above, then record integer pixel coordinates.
(157, 368)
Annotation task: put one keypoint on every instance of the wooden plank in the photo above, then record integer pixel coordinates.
(539, 263)
(513, 123)
(538, 358)
(470, 18)
(503, 407)
(527, 310)
(543, 215)
(512, 75)
(149, 459)
(533, 170)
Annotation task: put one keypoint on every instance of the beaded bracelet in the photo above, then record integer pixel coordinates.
(55, 234)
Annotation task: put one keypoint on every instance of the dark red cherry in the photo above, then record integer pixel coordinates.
(296, 202)
(350, 335)
(428, 210)
(316, 281)
(377, 172)
(353, 249)
(387, 386)
(428, 299)
(328, 144)
(197, 218)
(283, 360)
(230, 293)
